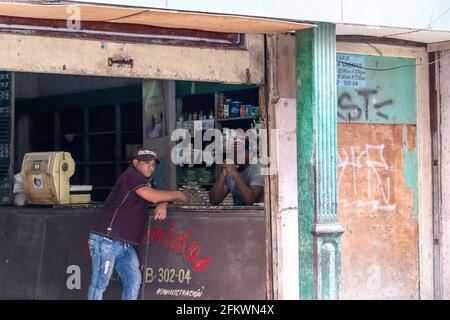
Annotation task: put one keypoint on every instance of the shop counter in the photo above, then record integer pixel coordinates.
(195, 253)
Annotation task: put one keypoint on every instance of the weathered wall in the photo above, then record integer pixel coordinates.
(376, 209)
(90, 57)
(444, 90)
(378, 177)
(284, 182)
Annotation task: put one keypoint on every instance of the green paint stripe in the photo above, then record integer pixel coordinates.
(305, 156)
(317, 150)
(410, 169)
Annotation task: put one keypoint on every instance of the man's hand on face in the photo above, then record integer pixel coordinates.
(160, 211)
(229, 168)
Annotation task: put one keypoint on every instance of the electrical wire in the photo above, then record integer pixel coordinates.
(388, 69)
(127, 16)
(375, 48)
(427, 28)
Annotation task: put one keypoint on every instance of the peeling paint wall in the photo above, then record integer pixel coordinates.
(444, 89)
(284, 183)
(376, 208)
(287, 213)
(378, 178)
(90, 57)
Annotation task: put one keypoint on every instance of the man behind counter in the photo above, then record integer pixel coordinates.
(243, 180)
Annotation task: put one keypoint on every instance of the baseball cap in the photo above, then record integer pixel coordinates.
(146, 155)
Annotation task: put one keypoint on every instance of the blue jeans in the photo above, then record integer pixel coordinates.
(107, 254)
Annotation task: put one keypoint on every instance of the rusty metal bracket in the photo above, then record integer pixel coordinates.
(128, 62)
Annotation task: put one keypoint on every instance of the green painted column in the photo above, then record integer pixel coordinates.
(319, 232)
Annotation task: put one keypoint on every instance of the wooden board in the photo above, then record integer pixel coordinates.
(380, 254)
(423, 197)
(222, 254)
(145, 16)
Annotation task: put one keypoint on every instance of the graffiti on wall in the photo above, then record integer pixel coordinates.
(350, 110)
(370, 177)
(366, 95)
(377, 176)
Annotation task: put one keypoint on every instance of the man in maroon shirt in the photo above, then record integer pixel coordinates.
(121, 224)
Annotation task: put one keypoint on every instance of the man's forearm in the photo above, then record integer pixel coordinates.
(164, 204)
(217, 190)
(243, 189)
(158, 196)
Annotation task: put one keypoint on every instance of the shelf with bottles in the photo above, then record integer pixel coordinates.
(194, 108)
(195, 125)
(237, 119)
(237, 105)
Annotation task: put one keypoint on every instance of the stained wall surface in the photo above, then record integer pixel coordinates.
(377, 177)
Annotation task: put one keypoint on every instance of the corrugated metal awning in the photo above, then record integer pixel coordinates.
(151, 17)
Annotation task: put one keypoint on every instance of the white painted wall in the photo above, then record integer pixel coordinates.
(287, 213)
(444, 84)
(416, 14)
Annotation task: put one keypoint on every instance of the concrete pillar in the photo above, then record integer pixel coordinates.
(319, 232)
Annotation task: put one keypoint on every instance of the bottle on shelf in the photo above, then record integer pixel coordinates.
(235, 109)
(179, 122)
(226, 108)
(256, 112)
(220, 105)
(243, 111)
(211, 114)
(249, 110)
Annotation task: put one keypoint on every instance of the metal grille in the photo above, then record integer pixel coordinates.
(5, 135)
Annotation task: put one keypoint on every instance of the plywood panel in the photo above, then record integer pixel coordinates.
(21, 237)
(183, 263)
(376, 205)
(145, 16)
(444, 83)
(65, 246)
(423, 197)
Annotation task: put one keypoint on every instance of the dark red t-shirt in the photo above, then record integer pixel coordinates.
(125, 213)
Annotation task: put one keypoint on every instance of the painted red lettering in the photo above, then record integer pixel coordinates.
(157, 235)
(201, 264)
(180, 240)
(190, 255)
(170, 233)
(177, 244)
